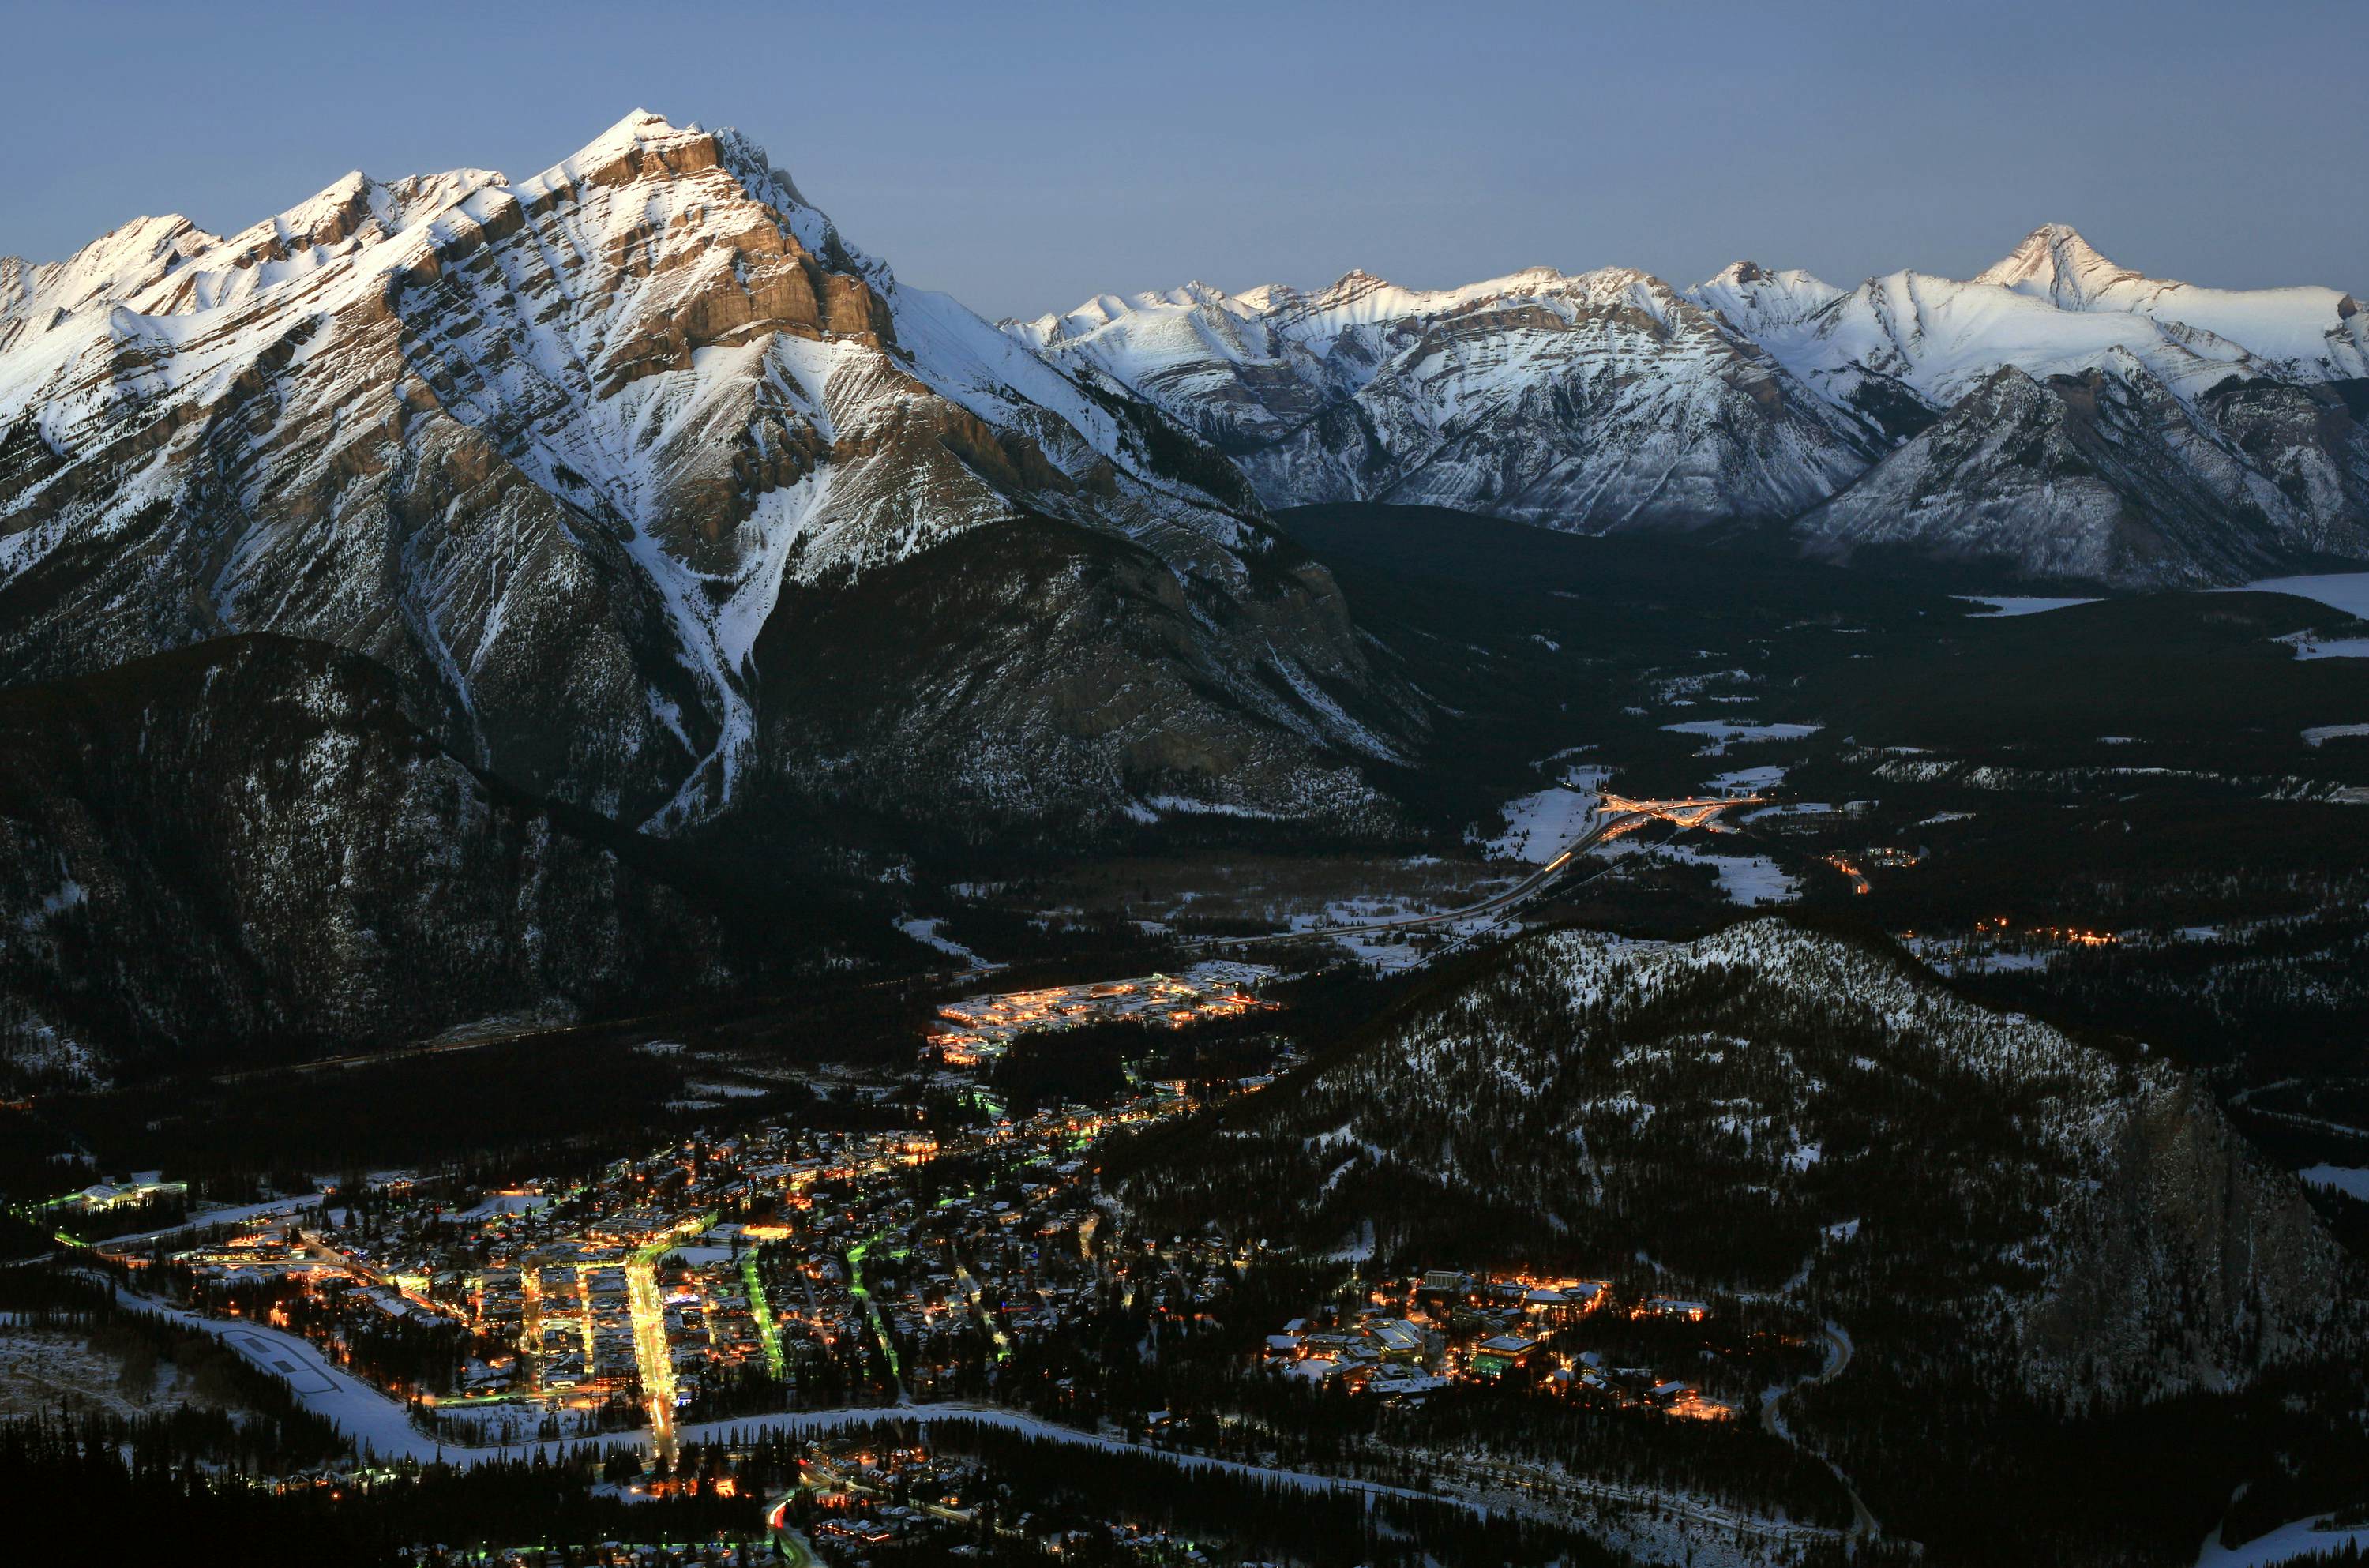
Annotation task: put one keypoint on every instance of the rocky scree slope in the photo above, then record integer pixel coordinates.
(560, 453)
(2055, 415)
(213, 851)
(1769, 1110)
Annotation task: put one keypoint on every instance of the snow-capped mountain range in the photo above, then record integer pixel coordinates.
(2056, 414)
(579, 456)
(658, 497)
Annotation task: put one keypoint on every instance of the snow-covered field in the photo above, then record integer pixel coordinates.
(1949, 956)
(1723, 733)
(44, 1369)
(2347, 591)
(930, 933)
(2323, 732)
(2014, 604)
(2326, 648)
(2279, 1545)
(1538, 826)
(1746, 879)
(1751, 778)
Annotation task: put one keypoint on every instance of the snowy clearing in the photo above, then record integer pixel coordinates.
(1747, 880)
(2309, 646)
(931, 933)
(2347, 591)
(1539, 826)
(1721, 733)
(2288, 1541)
(2014, 604)
(1752, 780)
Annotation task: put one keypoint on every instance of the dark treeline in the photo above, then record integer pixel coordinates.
(1063, 1485)
(2176, 1469)
(2280, 999)
(1222, 1403)
(142, 1497)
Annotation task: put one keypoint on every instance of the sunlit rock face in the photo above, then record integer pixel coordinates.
(557, 452)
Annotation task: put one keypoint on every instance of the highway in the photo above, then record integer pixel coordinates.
(1618, 814)
(795, 1548)
(1838, 1357)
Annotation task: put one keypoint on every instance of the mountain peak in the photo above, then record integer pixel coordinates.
(2055, 262)
(1355, 282)
(642, 124)
(638, 144)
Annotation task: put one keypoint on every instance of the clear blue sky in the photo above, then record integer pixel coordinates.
(1025, 157)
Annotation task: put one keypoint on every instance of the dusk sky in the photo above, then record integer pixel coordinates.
(1026, 157)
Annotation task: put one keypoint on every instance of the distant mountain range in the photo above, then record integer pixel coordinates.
(2057, 416)
(658, 498)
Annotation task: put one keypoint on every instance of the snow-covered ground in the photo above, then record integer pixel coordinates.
(2017, 604)
(503, 1203)
(1390, 956)
(1749, 779)
(2351, 1181)
(1746, 879)
(1721, 732)
(1539, 826)
(2326, 648)
(2279, 1545)
(2323, 732)
(2347, 591)
(224, 1215)
(928, 934)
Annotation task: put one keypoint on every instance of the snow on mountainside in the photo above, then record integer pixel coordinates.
(1607, 400)
(1741, 1110)
(557, 451)
(1597, 402)
(2311, 333)
(2069, 417)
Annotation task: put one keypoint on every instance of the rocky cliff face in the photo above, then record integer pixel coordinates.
(246, 846)
(555, 451)
(2191, 1262)
(2103, 477)
(1609, 401)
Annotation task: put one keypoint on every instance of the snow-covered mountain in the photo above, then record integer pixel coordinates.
(1770, 1110)
(1598, 402)
(2074, 418)
(564, 452)
(2056, 415)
